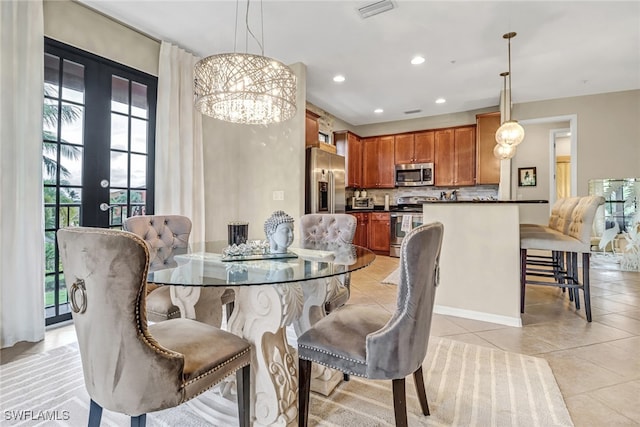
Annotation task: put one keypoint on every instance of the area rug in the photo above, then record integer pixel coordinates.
(393, 278)
(467, 385)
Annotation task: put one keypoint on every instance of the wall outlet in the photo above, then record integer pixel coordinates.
(278, 195)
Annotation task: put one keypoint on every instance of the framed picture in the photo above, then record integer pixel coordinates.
(526, 177)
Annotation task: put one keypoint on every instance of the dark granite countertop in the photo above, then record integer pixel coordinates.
(380, 208)
(489, 201)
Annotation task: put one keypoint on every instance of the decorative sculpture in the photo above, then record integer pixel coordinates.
(279, 231)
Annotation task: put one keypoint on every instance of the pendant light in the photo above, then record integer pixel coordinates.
(510, 133)
(243, 87)
(504, 152)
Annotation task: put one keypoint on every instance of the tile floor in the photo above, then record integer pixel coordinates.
(597, 365)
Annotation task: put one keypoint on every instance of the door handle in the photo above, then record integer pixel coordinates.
(105, 207)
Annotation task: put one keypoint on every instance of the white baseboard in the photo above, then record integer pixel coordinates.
(478, 315)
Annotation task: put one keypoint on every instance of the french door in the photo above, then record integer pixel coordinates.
(98, 151)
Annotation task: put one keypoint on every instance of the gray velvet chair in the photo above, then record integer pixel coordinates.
(331, 228)
(166, 235)
(129, 367)
(369, 343)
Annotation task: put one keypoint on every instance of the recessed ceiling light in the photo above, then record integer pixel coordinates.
(440, 101)
(378, 110)
(339, 78)
(417, 60)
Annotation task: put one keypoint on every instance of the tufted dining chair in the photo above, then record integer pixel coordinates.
(331, 229)
(167, 235)
(369, 343)
(130, 367)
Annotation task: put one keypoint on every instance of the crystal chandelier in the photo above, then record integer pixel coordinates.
(510, 133)
(245, 88)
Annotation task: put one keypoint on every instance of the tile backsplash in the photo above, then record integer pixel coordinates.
(483, 192)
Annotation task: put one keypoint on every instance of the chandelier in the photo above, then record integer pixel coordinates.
(243, 87)
(510, 133)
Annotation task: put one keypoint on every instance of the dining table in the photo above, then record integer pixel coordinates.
(272, 292)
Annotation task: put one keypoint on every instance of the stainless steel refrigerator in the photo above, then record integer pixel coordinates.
(324, 183)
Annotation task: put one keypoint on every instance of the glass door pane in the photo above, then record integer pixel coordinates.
(98, 146)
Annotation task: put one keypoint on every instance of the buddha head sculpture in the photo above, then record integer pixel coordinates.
(279, 231)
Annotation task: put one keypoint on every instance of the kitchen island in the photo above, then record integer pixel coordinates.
(480, 259)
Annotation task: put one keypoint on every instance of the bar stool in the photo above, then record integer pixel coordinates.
(565, 247)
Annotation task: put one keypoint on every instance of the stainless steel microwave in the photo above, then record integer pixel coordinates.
(414, 174)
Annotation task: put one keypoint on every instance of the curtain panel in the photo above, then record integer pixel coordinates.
(179, 175)
(21, 209)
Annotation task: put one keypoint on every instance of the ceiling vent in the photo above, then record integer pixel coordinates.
(412, 111)
(375, 8)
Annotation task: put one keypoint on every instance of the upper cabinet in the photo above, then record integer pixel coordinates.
(455, 156)
(414, 147)
(312, 128)
(349, 145)
(488, 166)
(378, 162)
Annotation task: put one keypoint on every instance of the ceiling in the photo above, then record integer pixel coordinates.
(562, 49)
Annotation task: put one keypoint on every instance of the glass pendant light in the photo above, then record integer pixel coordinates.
(510, 133)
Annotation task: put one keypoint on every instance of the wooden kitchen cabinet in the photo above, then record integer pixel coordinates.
(349, 145)
(404, 148)
(361, 238)
(465, 155)
(455, 156)
(312, 128)
(443, 169)
(378, 162)
(487, 165)
(379, 231)
(424, 147)
(414, 147)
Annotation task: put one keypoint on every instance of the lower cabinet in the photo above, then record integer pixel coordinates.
(379, 231)
(362, 229)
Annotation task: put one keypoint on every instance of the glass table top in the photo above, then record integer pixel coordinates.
(202, 265)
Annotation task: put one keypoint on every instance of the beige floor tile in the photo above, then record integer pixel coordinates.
(622, 321)
(441, 326)
(517, 340)
(575, 333)
(576, 375)
(623, 398)
(470, 338)
(586, 411)
(474, 325)
(613, 356)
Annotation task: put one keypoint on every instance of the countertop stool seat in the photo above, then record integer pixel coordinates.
(566, 239)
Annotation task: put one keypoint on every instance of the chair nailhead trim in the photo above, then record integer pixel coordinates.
(330, 354)
(334, 367)
(218, 367)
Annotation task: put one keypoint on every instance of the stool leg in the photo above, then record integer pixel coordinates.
(523, 277)
(575, 278)
(585, 284)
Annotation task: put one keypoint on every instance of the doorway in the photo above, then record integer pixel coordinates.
(561, 164)
(98, 152)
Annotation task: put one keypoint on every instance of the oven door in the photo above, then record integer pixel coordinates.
(397, 234)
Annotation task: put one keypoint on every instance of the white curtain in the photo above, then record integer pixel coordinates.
(21, 210)
(179, 176)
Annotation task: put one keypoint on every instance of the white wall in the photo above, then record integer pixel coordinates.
(245, 164)
(608, 134)
(81, 27)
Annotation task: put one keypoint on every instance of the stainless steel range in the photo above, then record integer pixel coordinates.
(408, 210)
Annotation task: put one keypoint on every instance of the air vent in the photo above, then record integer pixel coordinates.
(375, 8)
(412, 111)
